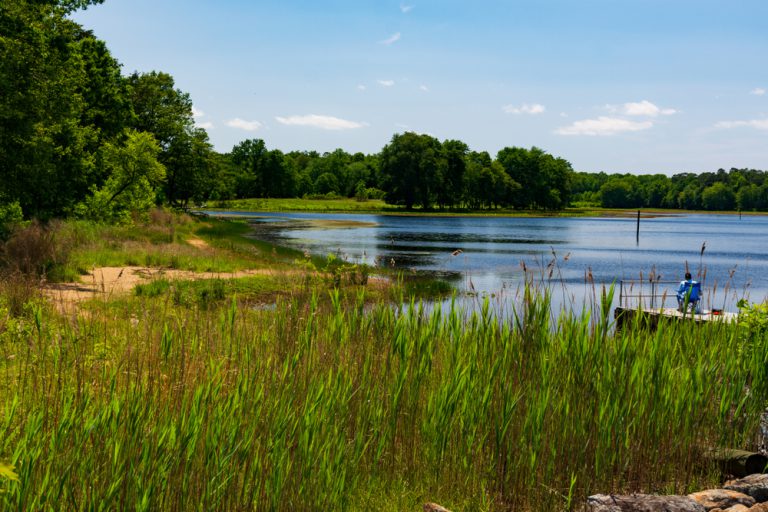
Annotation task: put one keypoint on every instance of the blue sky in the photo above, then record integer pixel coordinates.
(635, 86)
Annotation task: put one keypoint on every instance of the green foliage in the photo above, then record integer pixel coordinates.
(134, 175)
(340, 272)
(718, 197)
(322, 403)
(46, 159)
(10, 216)
(263, 173)
(327, 183)
(166, 112)
(753, 319)
(64, 106)
(620, 193)
(743, 189)
(544, 181)
(408, 165)
(154, 288)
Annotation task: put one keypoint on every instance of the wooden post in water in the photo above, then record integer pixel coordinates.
(638, 228)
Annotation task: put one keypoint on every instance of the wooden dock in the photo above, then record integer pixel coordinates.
(652, 316)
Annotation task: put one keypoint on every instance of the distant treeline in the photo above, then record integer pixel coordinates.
(412, 170)
(79, 138)
(737, 189)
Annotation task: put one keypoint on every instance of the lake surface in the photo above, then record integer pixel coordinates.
(495, 255)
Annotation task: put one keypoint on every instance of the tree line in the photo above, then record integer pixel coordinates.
(412, 170)
(736, 189)
(80, 138)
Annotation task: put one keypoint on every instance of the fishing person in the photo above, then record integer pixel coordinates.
(688, 293)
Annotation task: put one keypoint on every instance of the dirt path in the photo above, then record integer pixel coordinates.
(198, 242)
(107, 282)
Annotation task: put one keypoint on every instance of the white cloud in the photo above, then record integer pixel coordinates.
(424, 88)
(525, 108)
(405, 9)
(603, 126)
(759, 124)
(361, 87)
(386, 83)
(241, 124)
(757, 91)
(641, 108)
(322, 122)
(391, 39)
(197, 114)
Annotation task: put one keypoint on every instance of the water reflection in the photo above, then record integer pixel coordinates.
(572, 255)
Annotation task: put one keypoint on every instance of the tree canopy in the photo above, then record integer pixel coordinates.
(79, 137)
(65, 107)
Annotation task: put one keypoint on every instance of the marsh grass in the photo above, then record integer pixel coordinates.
(314, 205)
(329, 403)
(189, 395)
(166, 245)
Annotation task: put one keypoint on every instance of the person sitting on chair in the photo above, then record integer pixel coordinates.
(688, 294)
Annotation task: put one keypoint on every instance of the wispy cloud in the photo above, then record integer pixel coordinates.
(603, 126)
(361, 87)
(322, 122)
(757, 91)
(241, 124)
(525, 108)
(386, 83)
(641, 109)
(405, 9)
(197, 114)
(424, 88)
(759, 124)
(391, 39)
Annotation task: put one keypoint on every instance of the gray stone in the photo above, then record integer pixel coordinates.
(752, 485)
(721, 498)
(642, 503)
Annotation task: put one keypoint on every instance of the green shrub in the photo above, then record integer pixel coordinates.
(10, 216)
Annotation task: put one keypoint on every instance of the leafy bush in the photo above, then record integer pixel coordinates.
(10, 215)
(753, 319)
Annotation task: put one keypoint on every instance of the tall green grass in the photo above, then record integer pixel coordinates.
(333, 404)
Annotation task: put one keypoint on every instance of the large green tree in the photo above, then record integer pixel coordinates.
(192, 168)
(409, 168)
(165, 111)
(544, 180)
(262, 173)
(46, 157)
(451, 171)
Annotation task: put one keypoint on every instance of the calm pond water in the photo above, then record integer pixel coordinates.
(493, 255)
